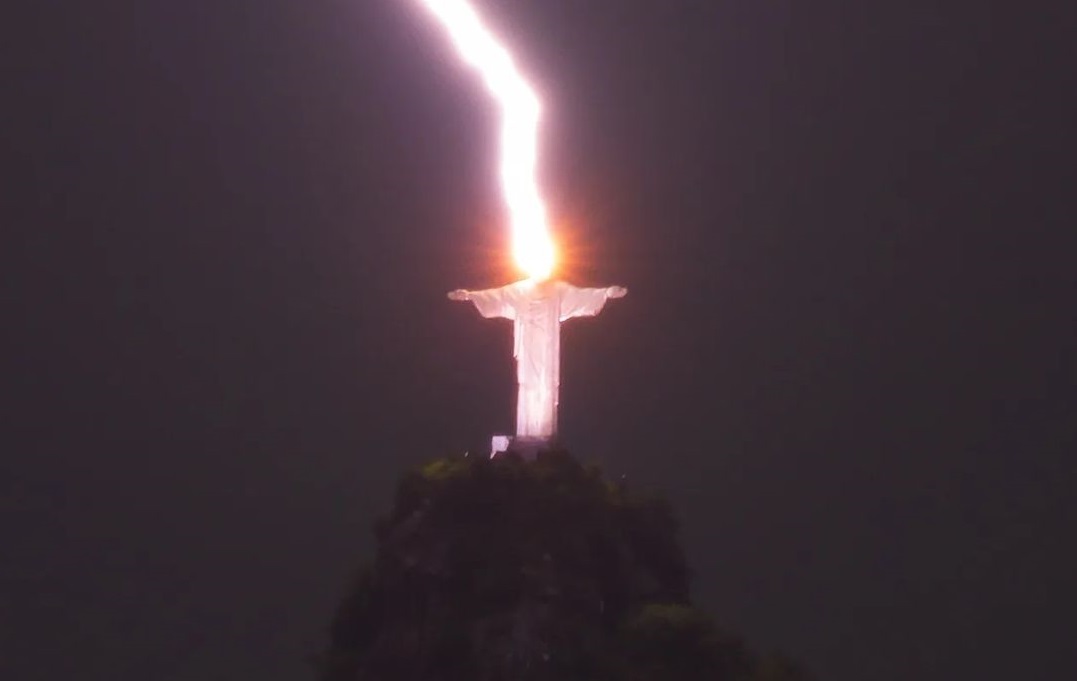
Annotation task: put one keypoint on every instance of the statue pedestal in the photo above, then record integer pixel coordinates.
(527, 447)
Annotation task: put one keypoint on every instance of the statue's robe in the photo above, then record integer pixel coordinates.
(537, 310)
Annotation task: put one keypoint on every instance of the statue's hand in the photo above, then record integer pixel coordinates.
(616, 292)
(459, 295)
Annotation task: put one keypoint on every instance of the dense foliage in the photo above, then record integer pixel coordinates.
(510, 570)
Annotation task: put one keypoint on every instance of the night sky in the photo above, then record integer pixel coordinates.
(847, 355)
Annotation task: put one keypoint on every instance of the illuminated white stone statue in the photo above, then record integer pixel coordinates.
(537, 309)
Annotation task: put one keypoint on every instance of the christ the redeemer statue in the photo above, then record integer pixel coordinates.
(537, 308)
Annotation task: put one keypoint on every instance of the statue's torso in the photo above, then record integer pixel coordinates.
(538, 332)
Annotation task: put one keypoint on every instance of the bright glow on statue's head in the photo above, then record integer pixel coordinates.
(534, 256)
(532, 247)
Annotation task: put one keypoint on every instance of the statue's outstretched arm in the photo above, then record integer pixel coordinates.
(587, 302)
(491, 302)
